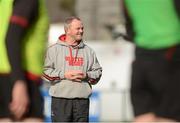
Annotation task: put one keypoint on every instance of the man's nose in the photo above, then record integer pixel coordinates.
(81, 30)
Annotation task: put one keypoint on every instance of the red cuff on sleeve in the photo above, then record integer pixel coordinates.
(19, 20)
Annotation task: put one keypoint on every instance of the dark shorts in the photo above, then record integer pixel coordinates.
(70, 110)
(155, 84)
(36, 104)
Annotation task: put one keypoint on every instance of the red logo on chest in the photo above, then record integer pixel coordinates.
(78, 61)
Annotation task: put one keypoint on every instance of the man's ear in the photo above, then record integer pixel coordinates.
(67, 31)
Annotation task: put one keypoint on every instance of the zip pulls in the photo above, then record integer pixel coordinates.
(73, 59)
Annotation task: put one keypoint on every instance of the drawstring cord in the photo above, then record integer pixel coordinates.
(72, 61)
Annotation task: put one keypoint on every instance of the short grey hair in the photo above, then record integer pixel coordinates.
(69, 20)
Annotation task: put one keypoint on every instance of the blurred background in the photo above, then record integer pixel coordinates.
(103, 31)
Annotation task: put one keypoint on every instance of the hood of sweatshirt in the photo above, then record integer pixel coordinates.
(62, 41)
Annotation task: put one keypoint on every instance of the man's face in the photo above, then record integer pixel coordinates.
(75, 30)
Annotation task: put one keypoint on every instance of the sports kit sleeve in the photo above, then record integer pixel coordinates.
(23, 16)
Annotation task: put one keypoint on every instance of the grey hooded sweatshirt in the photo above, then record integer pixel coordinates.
(61, 57)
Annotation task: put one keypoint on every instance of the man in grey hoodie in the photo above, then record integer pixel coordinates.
(71, 67)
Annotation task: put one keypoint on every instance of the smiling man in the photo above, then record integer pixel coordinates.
(71, 67)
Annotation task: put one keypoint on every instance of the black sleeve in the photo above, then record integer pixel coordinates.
(128, 23)
(177, 5)
(26, 8)
(23, 15)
